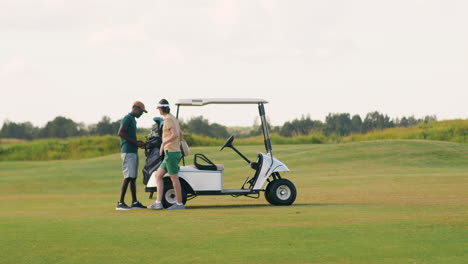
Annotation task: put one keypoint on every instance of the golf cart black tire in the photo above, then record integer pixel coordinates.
(280, 192)
(169, 194)
(267, 193)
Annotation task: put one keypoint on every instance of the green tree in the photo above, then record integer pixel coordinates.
(24, 130)
(376, 121)
(356, 124)
(61, 127)
(430, 118)
(218, 131)
(105, 127)
(200, 126)
(404, 122)
(413, 121)
(303, 126)
(339, 124)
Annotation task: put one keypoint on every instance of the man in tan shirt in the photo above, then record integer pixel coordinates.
(171, 148)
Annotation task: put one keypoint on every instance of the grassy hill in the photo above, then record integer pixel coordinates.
(366, 202)
(89, 147)
(448, 130)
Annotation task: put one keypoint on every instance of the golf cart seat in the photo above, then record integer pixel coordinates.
(209, 165)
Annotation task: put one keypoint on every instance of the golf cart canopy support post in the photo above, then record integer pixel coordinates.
(266, 135)
(261, 109)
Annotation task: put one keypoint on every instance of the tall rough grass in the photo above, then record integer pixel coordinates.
(8, 141)
(58, 149)
(196, 140)
(450, 130)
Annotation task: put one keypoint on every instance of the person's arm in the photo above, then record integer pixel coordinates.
(123, 134)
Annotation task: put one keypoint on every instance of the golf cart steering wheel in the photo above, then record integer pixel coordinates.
(228, 142)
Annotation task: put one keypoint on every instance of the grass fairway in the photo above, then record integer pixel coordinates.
(367, 202)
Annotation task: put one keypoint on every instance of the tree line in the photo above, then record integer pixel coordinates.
(339, 124)
(59, 127)
(343, 124)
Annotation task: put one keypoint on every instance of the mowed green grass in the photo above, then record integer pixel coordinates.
(367, 202)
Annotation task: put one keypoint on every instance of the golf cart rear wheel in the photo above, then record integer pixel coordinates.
(280, 192)
(169, 195)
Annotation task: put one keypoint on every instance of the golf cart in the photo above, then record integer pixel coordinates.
(206, 178)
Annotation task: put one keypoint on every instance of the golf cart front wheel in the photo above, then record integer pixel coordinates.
(280, 192)
(169, 195)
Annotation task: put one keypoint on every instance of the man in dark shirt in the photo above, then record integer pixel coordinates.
(129, 152)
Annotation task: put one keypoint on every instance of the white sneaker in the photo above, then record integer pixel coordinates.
(156, 206)
(176, 207)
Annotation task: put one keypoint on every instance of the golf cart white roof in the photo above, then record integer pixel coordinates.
(205, 101)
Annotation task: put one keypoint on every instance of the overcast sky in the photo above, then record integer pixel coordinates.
(88, 58)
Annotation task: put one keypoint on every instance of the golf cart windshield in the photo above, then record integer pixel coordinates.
(206, 101)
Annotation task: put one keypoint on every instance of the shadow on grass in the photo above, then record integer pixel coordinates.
(195, 207)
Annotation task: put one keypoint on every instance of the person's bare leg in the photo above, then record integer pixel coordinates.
(177, 188)
(133, 190)
(160, 183)
(123, 189)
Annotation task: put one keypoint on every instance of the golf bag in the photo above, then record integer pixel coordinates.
(153, 159)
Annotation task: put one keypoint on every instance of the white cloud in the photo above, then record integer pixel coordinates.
(54, 3)
(118, 35)
(226, 12)
(169, 54)
(13, 66)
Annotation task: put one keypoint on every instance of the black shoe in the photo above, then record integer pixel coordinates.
(122, 206)
(137, 205)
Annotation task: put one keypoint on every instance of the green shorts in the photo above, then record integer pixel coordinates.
(171, 162)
